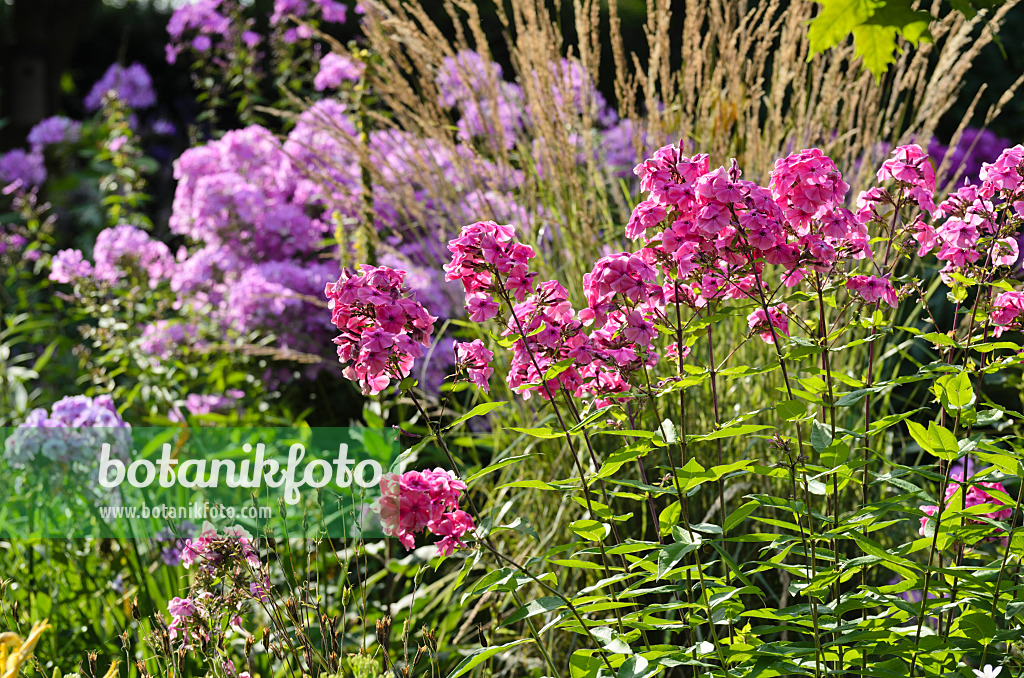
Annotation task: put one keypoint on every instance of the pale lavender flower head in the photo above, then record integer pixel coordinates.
(133, 85)
(54, 130)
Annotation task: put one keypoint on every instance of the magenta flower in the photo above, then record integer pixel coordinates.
(974, 495)
(762, 323)
(872, 289)
(383, 330)
(475, 359)
(424, 501)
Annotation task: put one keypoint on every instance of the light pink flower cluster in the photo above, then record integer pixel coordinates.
(383, 329)
(910, 166)
(980, 220)
(418, 501)
(226, 562)
(974, 495)
(762, 322)
(211, 551)
(475, 359)
(488, 263)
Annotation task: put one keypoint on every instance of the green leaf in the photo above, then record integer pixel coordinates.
(954, 391)
(821, 436)
(835, 21)
(731, 432)
(479, 410)
(534, 607)
(483, 654)
(739, 515)
(669, 517)
(591, 530)
(790, 409)
(636, 667)
(584, 664)
(497, 465)
(542, 433)
(978, 626)
(876, 46)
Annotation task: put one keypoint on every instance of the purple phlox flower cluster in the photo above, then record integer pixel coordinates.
(488, 106)
(163, 338)
(54, 130)
(239, 191)
(574, 93)
(383, 328)
(197, 404)
(13, 242)
(244, 200)
(132, 84)
(119, 252)
(322, 148)
(974, 148)
(70, 434)
(332, 11)
(277, 296)
(204, 25)
(424, 501)
(335, 69)
(26, 168)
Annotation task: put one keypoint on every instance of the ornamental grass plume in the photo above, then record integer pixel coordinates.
(442, 84)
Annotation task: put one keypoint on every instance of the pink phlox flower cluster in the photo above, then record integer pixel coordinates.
(487, 262)
(226, 562)
(777, 317)
(975, 218)
(383, 329)
(547, 332)
(618, 278)
(475, 359)
(211, 551)
(669, 176)
(424, 501)
(873, 288)
(720, 230)
(974, 494)
(910, 166)
(1007, 308)
(808, 186)
(1005, 174)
